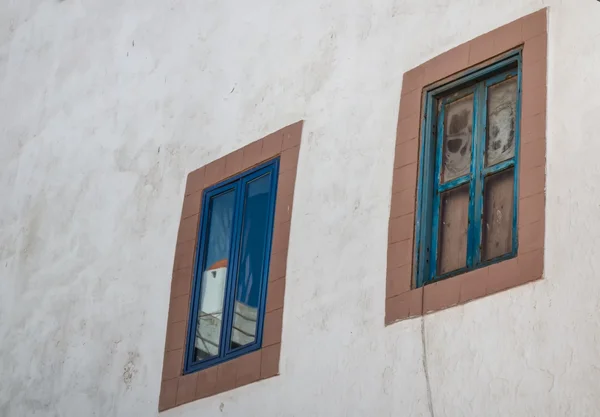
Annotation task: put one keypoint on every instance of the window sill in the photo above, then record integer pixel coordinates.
(243, 370)
(461, 289)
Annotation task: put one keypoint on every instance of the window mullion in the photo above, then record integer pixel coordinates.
(516, 157)
(476, 198)
(439, 141)
(425, 192)
(232, 268)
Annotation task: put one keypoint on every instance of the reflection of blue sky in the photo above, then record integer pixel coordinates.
(255, 212)
(219, 233)
(254, 228)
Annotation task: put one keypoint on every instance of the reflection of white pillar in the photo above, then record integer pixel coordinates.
(213, 288)
(212, 294)
(210, 318)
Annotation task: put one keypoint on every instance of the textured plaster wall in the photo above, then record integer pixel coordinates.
(106, 105)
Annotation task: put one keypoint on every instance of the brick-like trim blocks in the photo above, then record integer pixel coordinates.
(176, 388)
(403, 300)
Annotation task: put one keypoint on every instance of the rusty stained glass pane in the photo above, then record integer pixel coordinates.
(498, 212)
(458, 128)
(501, 122)
(454, 223)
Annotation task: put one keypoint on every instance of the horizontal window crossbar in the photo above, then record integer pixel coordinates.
(499, 167)
(457, 182)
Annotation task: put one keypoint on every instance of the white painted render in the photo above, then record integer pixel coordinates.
(106, 105)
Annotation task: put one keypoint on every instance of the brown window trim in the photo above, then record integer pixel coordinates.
(403, 300)
(176, 388)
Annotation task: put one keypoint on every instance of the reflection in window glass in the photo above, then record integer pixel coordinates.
(230, 283)
(248, 285)
(214, 276)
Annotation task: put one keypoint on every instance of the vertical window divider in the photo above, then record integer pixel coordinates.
(439, 146)
(475, 133)
(478, 175)
(425, 191)
(516, 158)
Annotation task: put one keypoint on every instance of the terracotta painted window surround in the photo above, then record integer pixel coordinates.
(403, 299)
(177, 388)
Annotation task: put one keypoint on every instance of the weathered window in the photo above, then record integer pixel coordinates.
(467, 186)
(229, 294)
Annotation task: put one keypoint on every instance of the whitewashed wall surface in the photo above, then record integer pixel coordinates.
(105, 106)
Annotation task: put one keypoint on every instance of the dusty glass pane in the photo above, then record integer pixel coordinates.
(454, 223)
(501, 120)
(458, 126)
(248, 284)
(498, 214)
(214, 276)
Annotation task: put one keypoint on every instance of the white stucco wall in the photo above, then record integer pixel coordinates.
(106, 105)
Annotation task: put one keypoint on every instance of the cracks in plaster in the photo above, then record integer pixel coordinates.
(426, 368)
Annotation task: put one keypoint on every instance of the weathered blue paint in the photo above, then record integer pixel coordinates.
(517, 158)
(478, 178)
(430, 186)
(435, 224)
(425, 192)
(473, 189)
(501, 166)
(502, 76)
(238, 184)
(457, 182)
(459, 95)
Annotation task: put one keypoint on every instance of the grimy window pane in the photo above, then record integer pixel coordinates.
(501, 120)
(498, 214)
(454, 222)
(214, 276)
(250, 272)
(458, 126)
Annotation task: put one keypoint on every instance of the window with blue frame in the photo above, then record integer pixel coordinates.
(467, 195)
(231, 271)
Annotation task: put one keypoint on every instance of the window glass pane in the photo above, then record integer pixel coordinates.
(454, 222)
(214, 276)
(458, 126)
(501, 119)
(498, 214)
(252, 253)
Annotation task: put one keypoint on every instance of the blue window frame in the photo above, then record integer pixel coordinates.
(468, 172)
(232, 268)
